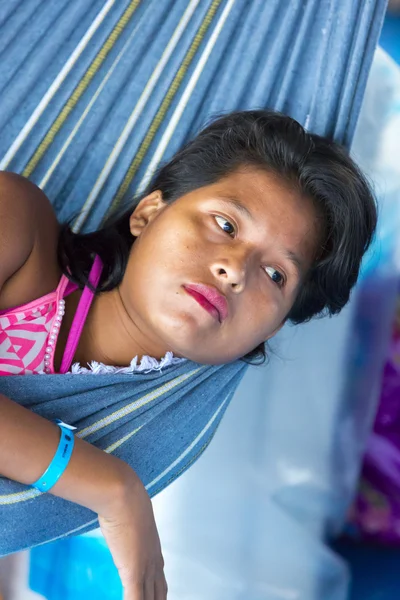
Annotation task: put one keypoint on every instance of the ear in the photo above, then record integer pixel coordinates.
(148, 208)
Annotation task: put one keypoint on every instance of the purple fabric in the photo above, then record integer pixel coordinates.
(376, 513)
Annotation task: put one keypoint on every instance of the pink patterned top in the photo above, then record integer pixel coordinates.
(29, 333)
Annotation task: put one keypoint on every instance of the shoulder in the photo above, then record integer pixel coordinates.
(21, 201)
(28, 227)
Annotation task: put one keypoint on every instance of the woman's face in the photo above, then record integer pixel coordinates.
(215, 273)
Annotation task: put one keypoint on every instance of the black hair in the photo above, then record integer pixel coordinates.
(315, 166)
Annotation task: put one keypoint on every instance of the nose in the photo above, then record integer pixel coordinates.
(230, 272)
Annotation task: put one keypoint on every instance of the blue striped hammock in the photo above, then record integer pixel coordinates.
(95, 95)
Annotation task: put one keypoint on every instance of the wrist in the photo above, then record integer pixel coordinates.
(125, 486)
(94, 479)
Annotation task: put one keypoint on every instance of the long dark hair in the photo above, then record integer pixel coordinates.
(313, 165)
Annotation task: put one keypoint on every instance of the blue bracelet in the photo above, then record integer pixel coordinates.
(60, 460)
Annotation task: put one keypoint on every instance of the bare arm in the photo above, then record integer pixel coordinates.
(28, 242)
(17, 225)
(95, 480)
(92, 479)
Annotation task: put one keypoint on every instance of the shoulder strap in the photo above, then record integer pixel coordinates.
(80, 316)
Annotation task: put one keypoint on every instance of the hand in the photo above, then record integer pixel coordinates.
(131, 534)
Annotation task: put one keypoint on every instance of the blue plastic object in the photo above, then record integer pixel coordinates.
(79, 568)
(60, 460)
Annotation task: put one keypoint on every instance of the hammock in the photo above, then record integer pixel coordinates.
(94, 96)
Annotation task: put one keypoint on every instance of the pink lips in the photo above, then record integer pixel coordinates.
(210, 299)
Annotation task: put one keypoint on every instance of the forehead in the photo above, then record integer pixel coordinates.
(261, 191)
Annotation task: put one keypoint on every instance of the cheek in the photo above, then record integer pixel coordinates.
(170, 243)
(159, 262)
(257, 319)
(264, 325)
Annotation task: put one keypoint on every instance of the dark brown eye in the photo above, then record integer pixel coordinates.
(275, 275)
(225, 225)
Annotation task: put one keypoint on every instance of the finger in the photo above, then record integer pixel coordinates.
(161, 588)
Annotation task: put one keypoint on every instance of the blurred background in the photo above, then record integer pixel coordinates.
(298, 496)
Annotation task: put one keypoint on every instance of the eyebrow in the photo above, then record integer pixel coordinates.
(243, 210)
(297, 262)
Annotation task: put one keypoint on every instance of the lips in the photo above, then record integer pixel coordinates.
(210, 299)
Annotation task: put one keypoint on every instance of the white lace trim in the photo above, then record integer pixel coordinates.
(146, 365)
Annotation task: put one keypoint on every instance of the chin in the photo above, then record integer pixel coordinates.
(181, 337)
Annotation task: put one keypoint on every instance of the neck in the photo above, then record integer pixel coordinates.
(111, 337)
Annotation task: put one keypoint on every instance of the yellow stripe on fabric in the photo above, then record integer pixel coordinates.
(138, 109)
(124, 439)
(80, 88)
(55, 86)
(19, 496)
(184, 99)
(126, 410)
(158, 119)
